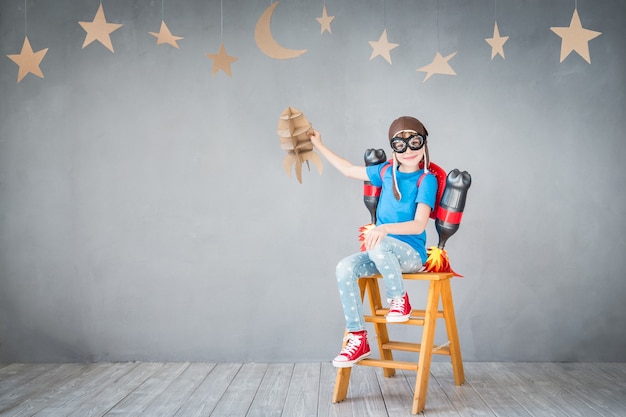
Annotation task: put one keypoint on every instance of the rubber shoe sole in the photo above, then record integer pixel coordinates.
(397, 319)
(350, 364)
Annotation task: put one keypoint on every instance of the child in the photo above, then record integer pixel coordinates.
(398, 242)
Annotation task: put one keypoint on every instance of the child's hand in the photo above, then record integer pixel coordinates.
(316, 137)
(374, 236)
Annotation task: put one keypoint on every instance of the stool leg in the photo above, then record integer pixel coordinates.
(450, 320)
(426, 350)
(341, 384)
(371, 287)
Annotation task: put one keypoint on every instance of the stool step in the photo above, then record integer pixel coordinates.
(382, 363)
(414, 313)
(382, 319)
(415, 347)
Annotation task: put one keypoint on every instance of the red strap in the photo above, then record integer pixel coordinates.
(370, 190)
(383, 169)
(419, 181)
(446, 216)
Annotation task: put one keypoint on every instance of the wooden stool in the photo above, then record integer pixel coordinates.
(439, 289)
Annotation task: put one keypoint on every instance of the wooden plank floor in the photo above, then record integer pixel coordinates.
(305, 389)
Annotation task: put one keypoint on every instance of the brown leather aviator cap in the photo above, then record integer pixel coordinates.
(406, 123)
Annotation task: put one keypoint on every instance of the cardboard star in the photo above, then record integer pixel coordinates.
(222, 61)
(165, 36)
(325, 21)
(28, 61)
(575, 38)
(99, 29)
(438, 66)
(497, 42)
(382, 47)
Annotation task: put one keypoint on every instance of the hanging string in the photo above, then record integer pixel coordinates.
(384, 14)
(221, 21)
(495, 10)
(162, 10)
(438, 48)
(25, 25)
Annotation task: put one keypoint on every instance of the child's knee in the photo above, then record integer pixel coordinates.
(342, 269)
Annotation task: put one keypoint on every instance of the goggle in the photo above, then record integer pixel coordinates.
(415, 142)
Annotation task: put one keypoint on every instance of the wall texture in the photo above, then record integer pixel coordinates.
(145, 213)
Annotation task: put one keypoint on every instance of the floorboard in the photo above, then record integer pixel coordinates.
(272, 391)
(305, 390)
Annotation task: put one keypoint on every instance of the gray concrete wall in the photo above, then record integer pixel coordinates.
(145, 214)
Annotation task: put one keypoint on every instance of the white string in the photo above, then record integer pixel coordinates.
(221, 20)
(384, 15)
(25, 25)
(162, 10)
(438, 48)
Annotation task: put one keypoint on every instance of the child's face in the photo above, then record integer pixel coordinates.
(409, 158)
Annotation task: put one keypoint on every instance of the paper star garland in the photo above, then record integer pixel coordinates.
(438, 66)
(497, 42)
(325, 21)
(382, 47)
(28, 61)
(222, 61)
(575, 38)
(165, 36)
(99, 29)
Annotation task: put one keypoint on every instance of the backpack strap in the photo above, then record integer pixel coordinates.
(384, 169)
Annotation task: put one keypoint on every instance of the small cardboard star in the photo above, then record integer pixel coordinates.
(165, 36)
(222, 61)
(497, 42)
(28, 61)
(575, 38)
(99, 29)
(438, 66)
(325, 21)
(382, 47)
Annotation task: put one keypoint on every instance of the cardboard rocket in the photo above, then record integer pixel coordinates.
(293, 133)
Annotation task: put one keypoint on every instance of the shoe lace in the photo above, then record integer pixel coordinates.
(353, 344)
(397, 304)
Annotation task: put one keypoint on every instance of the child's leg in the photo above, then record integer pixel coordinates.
(392, 257)
(348, 272)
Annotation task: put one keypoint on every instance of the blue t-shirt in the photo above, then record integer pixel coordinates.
(391, 210)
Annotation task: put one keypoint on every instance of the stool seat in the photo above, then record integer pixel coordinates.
(438, 291)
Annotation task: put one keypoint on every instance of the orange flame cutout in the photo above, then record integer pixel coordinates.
(438, 261)
(362, 232)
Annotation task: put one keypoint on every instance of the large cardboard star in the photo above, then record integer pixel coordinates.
(28, 61)
(165, 36)
(575, 38)
(438, 66)
(325, 21)
(222, 61)
(99, 30)
(382, 47)
(497, 42)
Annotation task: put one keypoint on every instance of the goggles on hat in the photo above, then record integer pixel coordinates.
(415, 142)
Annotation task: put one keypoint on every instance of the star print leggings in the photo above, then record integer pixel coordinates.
(390, 258)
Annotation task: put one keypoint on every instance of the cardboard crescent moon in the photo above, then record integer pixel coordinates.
(266, 42)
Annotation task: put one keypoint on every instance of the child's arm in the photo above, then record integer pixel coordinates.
(344, 166)
(412, 227)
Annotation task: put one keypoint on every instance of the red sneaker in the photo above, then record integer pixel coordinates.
(356, 349)
(400, 309)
